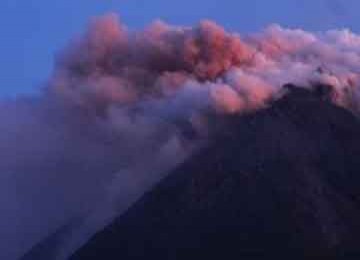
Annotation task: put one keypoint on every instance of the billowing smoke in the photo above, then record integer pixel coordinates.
(122, 108)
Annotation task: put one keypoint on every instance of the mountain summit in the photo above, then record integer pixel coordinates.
(282, 180)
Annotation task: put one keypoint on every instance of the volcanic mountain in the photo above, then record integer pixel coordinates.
(282, 180)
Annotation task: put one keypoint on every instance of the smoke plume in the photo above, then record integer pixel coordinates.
(123, 107)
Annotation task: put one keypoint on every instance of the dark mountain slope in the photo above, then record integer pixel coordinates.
(48, 248)
(284, 180)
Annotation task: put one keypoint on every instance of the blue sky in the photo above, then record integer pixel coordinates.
(33, 31)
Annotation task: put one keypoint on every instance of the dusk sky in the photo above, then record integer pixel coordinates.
(34, 31)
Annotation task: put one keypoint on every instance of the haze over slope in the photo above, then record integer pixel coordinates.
(275, 182)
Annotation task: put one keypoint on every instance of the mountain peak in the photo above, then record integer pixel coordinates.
(282, 180)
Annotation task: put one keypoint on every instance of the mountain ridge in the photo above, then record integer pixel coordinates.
(280, 180)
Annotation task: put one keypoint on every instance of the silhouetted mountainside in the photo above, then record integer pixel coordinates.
(283, 180)
(48, 248)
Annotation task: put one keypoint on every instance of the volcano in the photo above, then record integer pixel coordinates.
(185, 139)
(282, 180)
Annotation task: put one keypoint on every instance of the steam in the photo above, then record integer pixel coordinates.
(122, 108)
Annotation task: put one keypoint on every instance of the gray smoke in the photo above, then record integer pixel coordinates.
(122, 108)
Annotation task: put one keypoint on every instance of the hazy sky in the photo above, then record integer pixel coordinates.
(33, 31)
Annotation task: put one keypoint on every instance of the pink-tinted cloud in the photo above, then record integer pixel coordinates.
(119, 106)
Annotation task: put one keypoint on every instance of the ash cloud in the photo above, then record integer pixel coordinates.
(116, 112)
